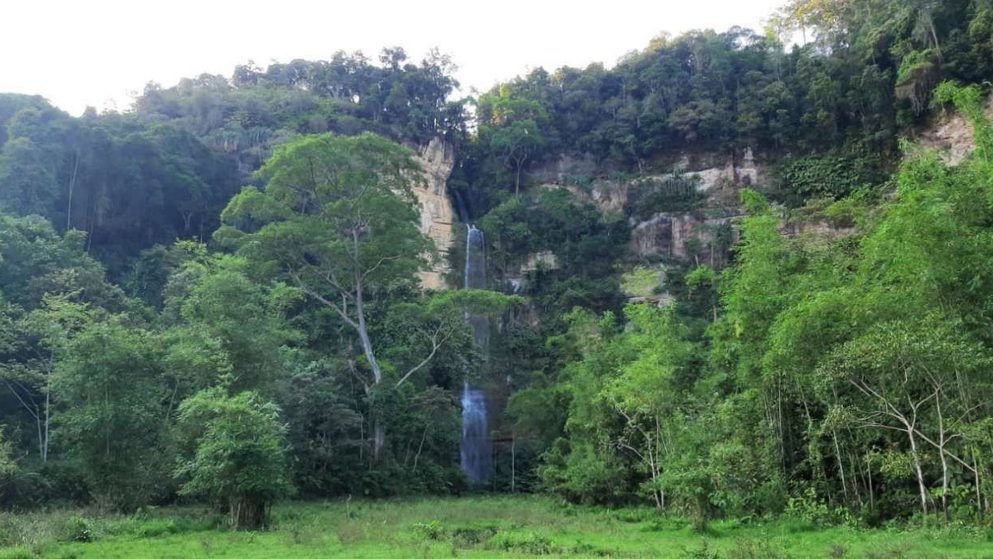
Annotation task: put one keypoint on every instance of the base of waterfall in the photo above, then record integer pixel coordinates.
(476, 450)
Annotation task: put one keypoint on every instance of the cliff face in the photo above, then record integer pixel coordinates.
(951, 136)
(670, 235)
(437, 215)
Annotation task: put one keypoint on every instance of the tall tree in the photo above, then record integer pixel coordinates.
(514, 128)
(113, 422)
(337, 221)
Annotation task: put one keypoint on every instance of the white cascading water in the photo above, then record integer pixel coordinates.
(477, 461)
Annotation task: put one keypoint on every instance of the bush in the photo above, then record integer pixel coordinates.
(433, 530)
(111, 425)
(521, 542)
(754, 549)
(77, 529)
(8, 468)
(153, 528)
(675, 193)
(813, 513)
(827, 176)
(240, 455)
(471, 536)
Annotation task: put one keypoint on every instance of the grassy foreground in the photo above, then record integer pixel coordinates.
(467, 527)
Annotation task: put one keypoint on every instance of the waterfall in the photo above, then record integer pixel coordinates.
(460, 207)
(475, 278)
(476, 448)
(475, 259)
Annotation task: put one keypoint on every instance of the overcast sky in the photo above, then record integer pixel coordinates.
(99, 52)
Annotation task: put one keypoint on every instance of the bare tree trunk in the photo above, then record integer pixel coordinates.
(48, 408)
(377, 372)
(248, 514)
(868, 470)
(942, 440)
(858, 480)
(909, 426)
(420, 447)
(653, 458)
(841, 466)
(41, 438)
(379, 433)
(934, 37)
(979, 491)
(917, 468)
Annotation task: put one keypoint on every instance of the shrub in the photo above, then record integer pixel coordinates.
(155, 528)
(675, 193)
(521, 542)
(432, 530)
(77, 529)
(827, 176)
(471, 536)
(240, 454)
(753, 549)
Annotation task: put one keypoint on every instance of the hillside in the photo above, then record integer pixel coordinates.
(729, 277)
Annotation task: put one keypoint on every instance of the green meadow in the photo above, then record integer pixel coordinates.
(518, 526)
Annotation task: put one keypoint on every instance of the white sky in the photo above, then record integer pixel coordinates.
(99, 52)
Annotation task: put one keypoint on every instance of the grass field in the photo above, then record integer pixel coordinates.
(467, 527)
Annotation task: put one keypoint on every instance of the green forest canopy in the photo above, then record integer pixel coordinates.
(243, 252)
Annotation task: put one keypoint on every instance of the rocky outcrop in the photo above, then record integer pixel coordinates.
(646, 285)
(437, 215)
(816, 228)
(545, 259)
(565, 169)
(718, 177)
(951, 136)
(744, 172)
(670, 236)
(515, 277)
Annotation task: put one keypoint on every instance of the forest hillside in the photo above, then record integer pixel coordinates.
(738, 274)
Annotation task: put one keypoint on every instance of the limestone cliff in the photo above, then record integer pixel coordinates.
(669, 236)
(693, 232)
(437, 215)
(672, 235)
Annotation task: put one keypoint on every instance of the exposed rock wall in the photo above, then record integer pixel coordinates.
(718, 177)
(671, 235)
(678, 236)
(437, 215)
(951, 136)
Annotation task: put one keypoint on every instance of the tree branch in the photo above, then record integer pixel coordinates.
(435, 346)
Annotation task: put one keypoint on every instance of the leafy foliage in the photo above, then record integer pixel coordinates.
(828, 363)
(240, 457)
(833, 365)
(111, 386)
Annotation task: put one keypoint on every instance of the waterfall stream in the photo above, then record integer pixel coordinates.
(476, 447)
